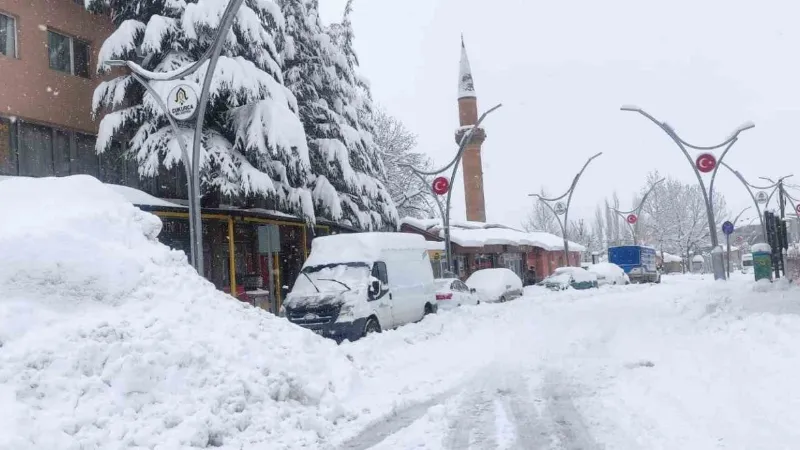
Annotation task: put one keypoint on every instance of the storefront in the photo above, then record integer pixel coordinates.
(250, 253)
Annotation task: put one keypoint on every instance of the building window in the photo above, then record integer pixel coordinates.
(8, 36)
(68, 54)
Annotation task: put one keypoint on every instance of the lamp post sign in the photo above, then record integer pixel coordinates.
(560, 208)
(441, 185)
(762, 197)
(706, 162)
(182, 102)
(631, 219)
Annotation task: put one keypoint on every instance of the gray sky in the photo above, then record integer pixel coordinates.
(563, 69)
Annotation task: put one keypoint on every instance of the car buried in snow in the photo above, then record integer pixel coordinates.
(570, 277)
(452, 293)
(495, 285)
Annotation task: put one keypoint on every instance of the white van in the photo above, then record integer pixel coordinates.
(354, 284)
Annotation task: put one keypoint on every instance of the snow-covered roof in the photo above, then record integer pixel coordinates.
(141, 198)
(669, 257)
(479, 234)
(435, 245)
(698, 258)
(466, 87)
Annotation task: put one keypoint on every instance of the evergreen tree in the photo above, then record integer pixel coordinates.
(254, 144)
(344, 156)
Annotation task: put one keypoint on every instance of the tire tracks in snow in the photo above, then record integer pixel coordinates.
(497, 410)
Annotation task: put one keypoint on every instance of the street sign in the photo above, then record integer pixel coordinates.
(441, 185)
(797, 209)
(706, 162)
(560, 208)
(727, 227)
(182, 102)
(762, 197)
(632, 219)
(740, 239)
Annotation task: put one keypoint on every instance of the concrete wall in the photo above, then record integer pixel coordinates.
(29, 88)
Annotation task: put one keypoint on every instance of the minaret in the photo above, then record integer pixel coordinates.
(468, 115)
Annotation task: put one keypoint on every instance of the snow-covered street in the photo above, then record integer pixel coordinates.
(109, 339)
(688, 364)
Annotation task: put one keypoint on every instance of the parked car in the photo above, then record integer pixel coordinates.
(452, 292)
(609, 273)
(638, 261)
(574, 277)
(496, 285)
(747, 263)
(360, 283)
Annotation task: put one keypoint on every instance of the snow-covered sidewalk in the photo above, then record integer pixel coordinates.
(690, 364)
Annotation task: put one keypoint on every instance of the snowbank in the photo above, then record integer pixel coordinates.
(110, 339)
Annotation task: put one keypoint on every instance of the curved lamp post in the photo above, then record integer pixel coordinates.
(728, 240)
(465, 139)
(564, 224)
(635, 211)
(750, 188)
(192, 165)
(708, 195)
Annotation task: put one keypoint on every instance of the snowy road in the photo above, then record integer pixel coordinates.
(688, 364)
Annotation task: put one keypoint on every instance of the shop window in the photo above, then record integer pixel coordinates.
(8, 36)
(8, 153)
(35, 150)
(68, 54)
(86, 161)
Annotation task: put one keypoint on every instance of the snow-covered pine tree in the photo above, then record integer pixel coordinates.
(254, 145)
(336, 110)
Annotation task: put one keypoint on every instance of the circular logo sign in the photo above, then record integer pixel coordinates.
(706, 162)
(631, 218)
(797, 209)
(441, 185)
(762, 197)
(182, 102)
(560, 208)
(727, 227)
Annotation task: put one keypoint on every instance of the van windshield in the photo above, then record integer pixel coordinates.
(346, 275)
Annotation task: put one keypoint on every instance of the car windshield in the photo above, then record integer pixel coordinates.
(330, 278)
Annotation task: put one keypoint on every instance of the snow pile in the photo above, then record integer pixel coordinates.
(110, 340)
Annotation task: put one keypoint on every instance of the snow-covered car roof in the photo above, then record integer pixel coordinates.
(578, 274)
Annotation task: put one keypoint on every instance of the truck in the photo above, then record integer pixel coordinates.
(638, 261)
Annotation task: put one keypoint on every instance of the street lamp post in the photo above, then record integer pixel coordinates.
(192, 165)
(465, 139)
(750, 188)
(713, 167)
(564, 209)
(632, 217)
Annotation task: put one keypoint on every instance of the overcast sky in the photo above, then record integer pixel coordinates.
(563, 69)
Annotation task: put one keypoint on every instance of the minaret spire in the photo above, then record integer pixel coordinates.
(466, 88)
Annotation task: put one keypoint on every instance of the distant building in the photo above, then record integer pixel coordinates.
(477, 245)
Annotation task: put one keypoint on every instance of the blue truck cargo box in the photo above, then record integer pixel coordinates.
(637, 261)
